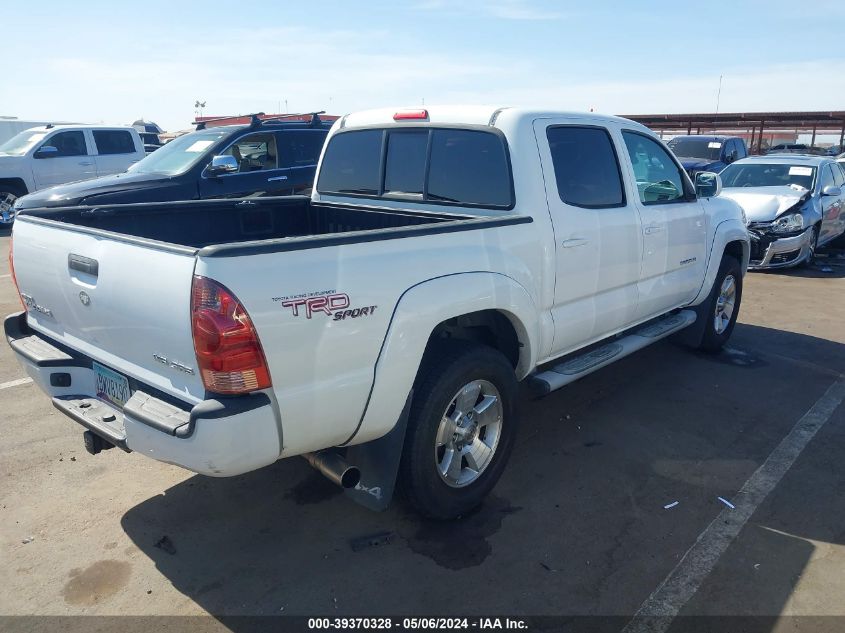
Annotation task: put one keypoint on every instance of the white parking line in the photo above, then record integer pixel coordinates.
(15, 383)
(656, 613)
(6, 275)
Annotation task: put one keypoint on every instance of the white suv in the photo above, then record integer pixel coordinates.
(50, 155)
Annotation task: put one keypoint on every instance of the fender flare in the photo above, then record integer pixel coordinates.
(727, 231)
(419, 310)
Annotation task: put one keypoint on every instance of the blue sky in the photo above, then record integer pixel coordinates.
(115, 61)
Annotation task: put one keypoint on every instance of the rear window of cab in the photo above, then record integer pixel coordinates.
(434, 165)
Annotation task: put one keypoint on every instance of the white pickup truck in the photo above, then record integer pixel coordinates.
(380, 327)
(49, 155)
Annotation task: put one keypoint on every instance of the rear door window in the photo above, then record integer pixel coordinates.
(443, 166)
(300, 148)
(586, 167)
(114, 142)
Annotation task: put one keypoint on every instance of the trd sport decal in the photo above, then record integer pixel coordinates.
(329, 302)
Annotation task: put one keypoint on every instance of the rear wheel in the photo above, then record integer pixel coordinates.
(461, 429)
(722, 305)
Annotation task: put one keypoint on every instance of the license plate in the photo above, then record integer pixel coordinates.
(111, 386)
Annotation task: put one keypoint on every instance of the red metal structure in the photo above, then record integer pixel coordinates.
(247, 118)
(759, 128)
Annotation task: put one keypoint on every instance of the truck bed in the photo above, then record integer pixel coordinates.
(203, 223)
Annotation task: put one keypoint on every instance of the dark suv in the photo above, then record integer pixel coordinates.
(707, 153)
(271, 157)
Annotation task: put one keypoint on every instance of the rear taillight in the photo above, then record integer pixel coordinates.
(12, 271)
(229, 354)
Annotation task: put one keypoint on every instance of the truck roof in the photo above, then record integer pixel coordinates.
(474, 115)
(715, 137)
(77, 126)
(788, 159)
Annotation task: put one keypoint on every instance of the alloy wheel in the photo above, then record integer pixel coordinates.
(725, 304)
(468, 434)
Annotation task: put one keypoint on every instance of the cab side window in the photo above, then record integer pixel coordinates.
(254, 152)
(741, 151)
(727, 148)
(659, 179)
(70, 143)
(827, 177)
(838, 174)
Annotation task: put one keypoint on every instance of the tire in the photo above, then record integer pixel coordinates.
(9, 192)
(814, 242)
(452, 376)
(718, 323)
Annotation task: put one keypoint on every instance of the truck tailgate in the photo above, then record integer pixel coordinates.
(122, 303)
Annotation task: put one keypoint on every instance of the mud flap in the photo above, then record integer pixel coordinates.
(378, 462)
(692, 335)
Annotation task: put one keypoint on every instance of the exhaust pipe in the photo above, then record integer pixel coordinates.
(335, 468)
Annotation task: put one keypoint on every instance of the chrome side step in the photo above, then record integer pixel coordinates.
(576, 367)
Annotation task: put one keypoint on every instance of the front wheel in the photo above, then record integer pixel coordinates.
(811, 254)
(461, 429)
(722, 305)
(8, 195)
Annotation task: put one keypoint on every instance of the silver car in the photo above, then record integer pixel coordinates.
(793, 204)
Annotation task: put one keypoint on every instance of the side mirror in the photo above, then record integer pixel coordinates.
(707, 184)
(832, 190)
(46, 151)
(732, 157)
(221, 165)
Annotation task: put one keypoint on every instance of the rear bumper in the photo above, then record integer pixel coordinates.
(782, 253)
(219, 436)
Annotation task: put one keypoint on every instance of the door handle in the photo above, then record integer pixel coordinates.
(83, 264)
(575, 241)
(274, 178)
(652, 229)
(86, 163)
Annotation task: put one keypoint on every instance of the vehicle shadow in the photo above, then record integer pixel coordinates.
(284, 540)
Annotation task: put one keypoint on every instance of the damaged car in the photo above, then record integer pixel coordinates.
(793, 205)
